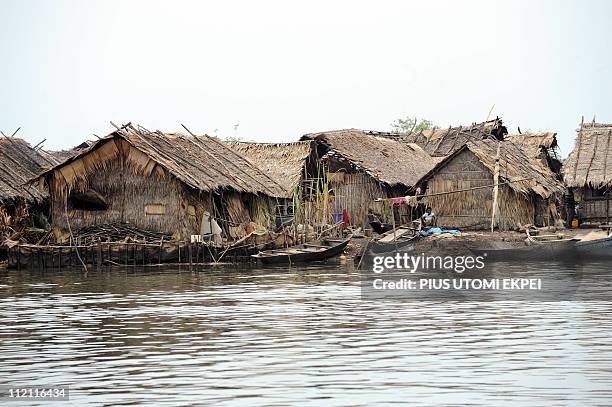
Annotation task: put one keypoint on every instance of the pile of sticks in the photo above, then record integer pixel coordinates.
(118, 232)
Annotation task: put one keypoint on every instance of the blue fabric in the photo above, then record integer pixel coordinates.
(438, 231)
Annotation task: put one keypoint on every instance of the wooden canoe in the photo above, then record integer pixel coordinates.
(553, 250)
(308, 252)
(393, 240)
(595, 249)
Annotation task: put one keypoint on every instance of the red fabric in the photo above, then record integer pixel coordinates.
(398, 201)
(345, 217)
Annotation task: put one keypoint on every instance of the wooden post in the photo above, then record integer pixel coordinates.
(161, 246)
(548, 212)
(495, 187)
(608, 206)
(99, 255)
(393, 219)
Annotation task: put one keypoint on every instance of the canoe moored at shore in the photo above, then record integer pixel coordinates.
(313, 251)
(595, 249)
(556, 250)
(393, 240)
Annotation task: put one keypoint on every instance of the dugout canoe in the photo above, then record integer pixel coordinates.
(595, 249)
(554, 250)
(393, 240)
(317, 250)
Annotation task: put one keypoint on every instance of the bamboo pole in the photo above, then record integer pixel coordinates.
(459, 190)
(495, 187)
(608, 207)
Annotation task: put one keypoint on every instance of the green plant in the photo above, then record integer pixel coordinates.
(408, 124)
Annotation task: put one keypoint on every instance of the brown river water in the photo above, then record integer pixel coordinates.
(298, 336)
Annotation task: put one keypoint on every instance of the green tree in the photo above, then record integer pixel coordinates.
(408, 124)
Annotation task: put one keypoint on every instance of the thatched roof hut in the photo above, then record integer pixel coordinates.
(202, 163)
(523, 173)
(459, 188)
(165, 182)
(590, 163)
(285, 163)
(19, 163)
(363, 167)
(442, 142)
(388, 161)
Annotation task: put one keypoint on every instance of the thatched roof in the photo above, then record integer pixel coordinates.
(590, 164)
(283, 162)
(60, 155)
(19, 163)
(63, 155)
(535, 139)
(542, 146)
(442, 142)
(201, 162)
(524, 174)
(389, 161)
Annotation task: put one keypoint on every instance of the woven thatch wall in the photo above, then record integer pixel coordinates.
(127, 193)
(597, 210)
(594, 205)
(472, 209)
(355, 192)
(156, 192)
(525, 173)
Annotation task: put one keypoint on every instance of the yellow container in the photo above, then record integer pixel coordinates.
(574, 223)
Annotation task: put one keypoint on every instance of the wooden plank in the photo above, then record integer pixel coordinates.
(390, 238)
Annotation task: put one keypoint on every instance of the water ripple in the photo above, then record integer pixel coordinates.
(302, 336)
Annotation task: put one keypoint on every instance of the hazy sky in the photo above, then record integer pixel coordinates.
(282, 69)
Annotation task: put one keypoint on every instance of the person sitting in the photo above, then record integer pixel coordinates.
(376, 224)
(428, 220)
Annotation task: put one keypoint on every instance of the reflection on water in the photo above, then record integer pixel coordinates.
(272, 336)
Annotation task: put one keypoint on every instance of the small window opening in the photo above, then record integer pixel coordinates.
(89, 200)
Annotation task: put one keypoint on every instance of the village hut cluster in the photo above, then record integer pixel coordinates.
(157, 190)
